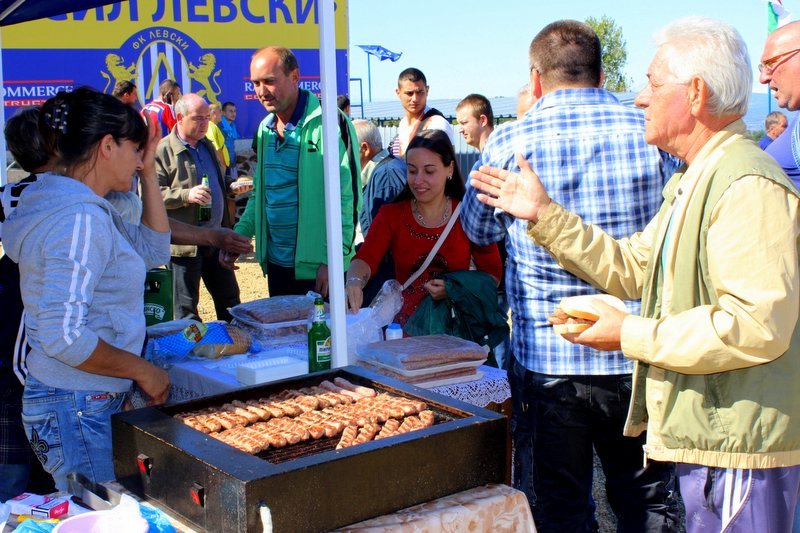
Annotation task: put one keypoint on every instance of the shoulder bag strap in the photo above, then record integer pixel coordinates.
(435, 248)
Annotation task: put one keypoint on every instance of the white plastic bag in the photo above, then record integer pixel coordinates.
(367, 326)
(124, 518)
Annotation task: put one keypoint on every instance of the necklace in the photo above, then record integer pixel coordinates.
(445, 214)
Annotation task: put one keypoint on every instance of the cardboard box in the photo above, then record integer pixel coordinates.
(38, 506)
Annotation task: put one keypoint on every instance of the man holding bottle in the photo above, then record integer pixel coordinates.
(183, 159)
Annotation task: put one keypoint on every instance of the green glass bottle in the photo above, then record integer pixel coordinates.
(319, 340)
(204, 211)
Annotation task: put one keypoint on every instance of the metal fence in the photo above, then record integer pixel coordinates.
(465, 154)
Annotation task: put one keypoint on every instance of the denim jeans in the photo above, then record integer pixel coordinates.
(70, 430)
(522, 430)
(502, 352)
(557, 421)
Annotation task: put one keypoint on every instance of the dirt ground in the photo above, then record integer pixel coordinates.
(252, 286)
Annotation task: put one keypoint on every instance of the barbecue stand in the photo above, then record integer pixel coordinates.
(309, 486)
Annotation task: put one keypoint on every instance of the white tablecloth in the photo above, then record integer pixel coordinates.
(493, 387)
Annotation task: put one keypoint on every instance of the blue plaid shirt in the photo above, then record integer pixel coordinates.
(589, 151)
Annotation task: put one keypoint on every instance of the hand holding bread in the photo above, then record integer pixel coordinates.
(594, 320)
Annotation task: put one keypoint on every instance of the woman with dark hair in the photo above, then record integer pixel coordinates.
(82, 272)
(410, 226)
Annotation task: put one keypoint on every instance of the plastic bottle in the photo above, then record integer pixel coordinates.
(319, 340)
(394, 331)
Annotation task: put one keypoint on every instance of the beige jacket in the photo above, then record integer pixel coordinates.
(720, 373)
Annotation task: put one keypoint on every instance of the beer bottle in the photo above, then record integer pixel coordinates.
(204, 211)
(319, 340)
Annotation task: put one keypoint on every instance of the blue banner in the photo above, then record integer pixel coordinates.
(100, 47)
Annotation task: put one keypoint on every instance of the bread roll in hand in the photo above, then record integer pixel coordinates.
(578, 313)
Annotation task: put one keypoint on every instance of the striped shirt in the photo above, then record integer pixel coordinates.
(281, 166)
(589, 151)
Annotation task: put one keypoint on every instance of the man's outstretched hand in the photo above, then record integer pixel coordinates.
(519, 194)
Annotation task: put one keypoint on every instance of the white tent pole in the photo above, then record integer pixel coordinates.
(330, 157)
(3, 161)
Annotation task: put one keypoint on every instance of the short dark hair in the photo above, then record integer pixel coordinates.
(122, 88)
(479, 104)
(72, 124)
(342, 101)
(438, 142)
(567, 52)
(166, 87)
(226, 105)
(25, 141)
(412, 74)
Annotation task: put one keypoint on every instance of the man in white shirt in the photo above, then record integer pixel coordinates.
(412, 89)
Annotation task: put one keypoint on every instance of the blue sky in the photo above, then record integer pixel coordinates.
(466, 46)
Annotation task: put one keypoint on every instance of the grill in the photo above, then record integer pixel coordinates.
(309, 486)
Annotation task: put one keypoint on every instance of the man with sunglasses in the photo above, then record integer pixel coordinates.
(780, 70)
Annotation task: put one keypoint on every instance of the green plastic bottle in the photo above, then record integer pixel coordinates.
(319, 340)
(204, 211)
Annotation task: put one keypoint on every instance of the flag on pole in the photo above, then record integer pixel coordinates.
(380, 52)
(777, 15)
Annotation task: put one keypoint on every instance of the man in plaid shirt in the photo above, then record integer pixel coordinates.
(593, 159)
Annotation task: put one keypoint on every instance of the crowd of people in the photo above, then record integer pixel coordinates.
(666, 205)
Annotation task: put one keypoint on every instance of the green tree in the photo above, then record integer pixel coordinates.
(614, 54)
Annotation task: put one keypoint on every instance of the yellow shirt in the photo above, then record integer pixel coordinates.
(217, 138)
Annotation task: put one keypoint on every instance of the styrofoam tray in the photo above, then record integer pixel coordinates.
(272, 369)
(428, 370)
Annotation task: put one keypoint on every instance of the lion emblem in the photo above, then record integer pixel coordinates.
(117, 71)
(205, 75)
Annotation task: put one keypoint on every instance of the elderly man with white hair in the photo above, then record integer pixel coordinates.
(717, 349)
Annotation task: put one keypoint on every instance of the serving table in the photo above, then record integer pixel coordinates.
(191, 380)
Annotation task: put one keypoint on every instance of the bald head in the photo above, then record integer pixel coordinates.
(779, 66)
(285, 56)
(788, 31)
(525, 100)
(275, 75)
(216, 113)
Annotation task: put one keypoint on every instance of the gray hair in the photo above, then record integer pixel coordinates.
(367, 132)
(773, 119)
(181, 107)
(188, 103)
(714, 51)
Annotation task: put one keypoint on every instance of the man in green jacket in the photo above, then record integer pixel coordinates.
(286, 211)
(717, 348)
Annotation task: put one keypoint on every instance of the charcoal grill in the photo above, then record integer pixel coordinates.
(308, 486)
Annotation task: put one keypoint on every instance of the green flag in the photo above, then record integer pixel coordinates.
(776, 15)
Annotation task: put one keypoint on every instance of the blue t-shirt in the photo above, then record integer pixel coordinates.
(781, 150)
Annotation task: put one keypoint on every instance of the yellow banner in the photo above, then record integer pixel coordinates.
(212, 23)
